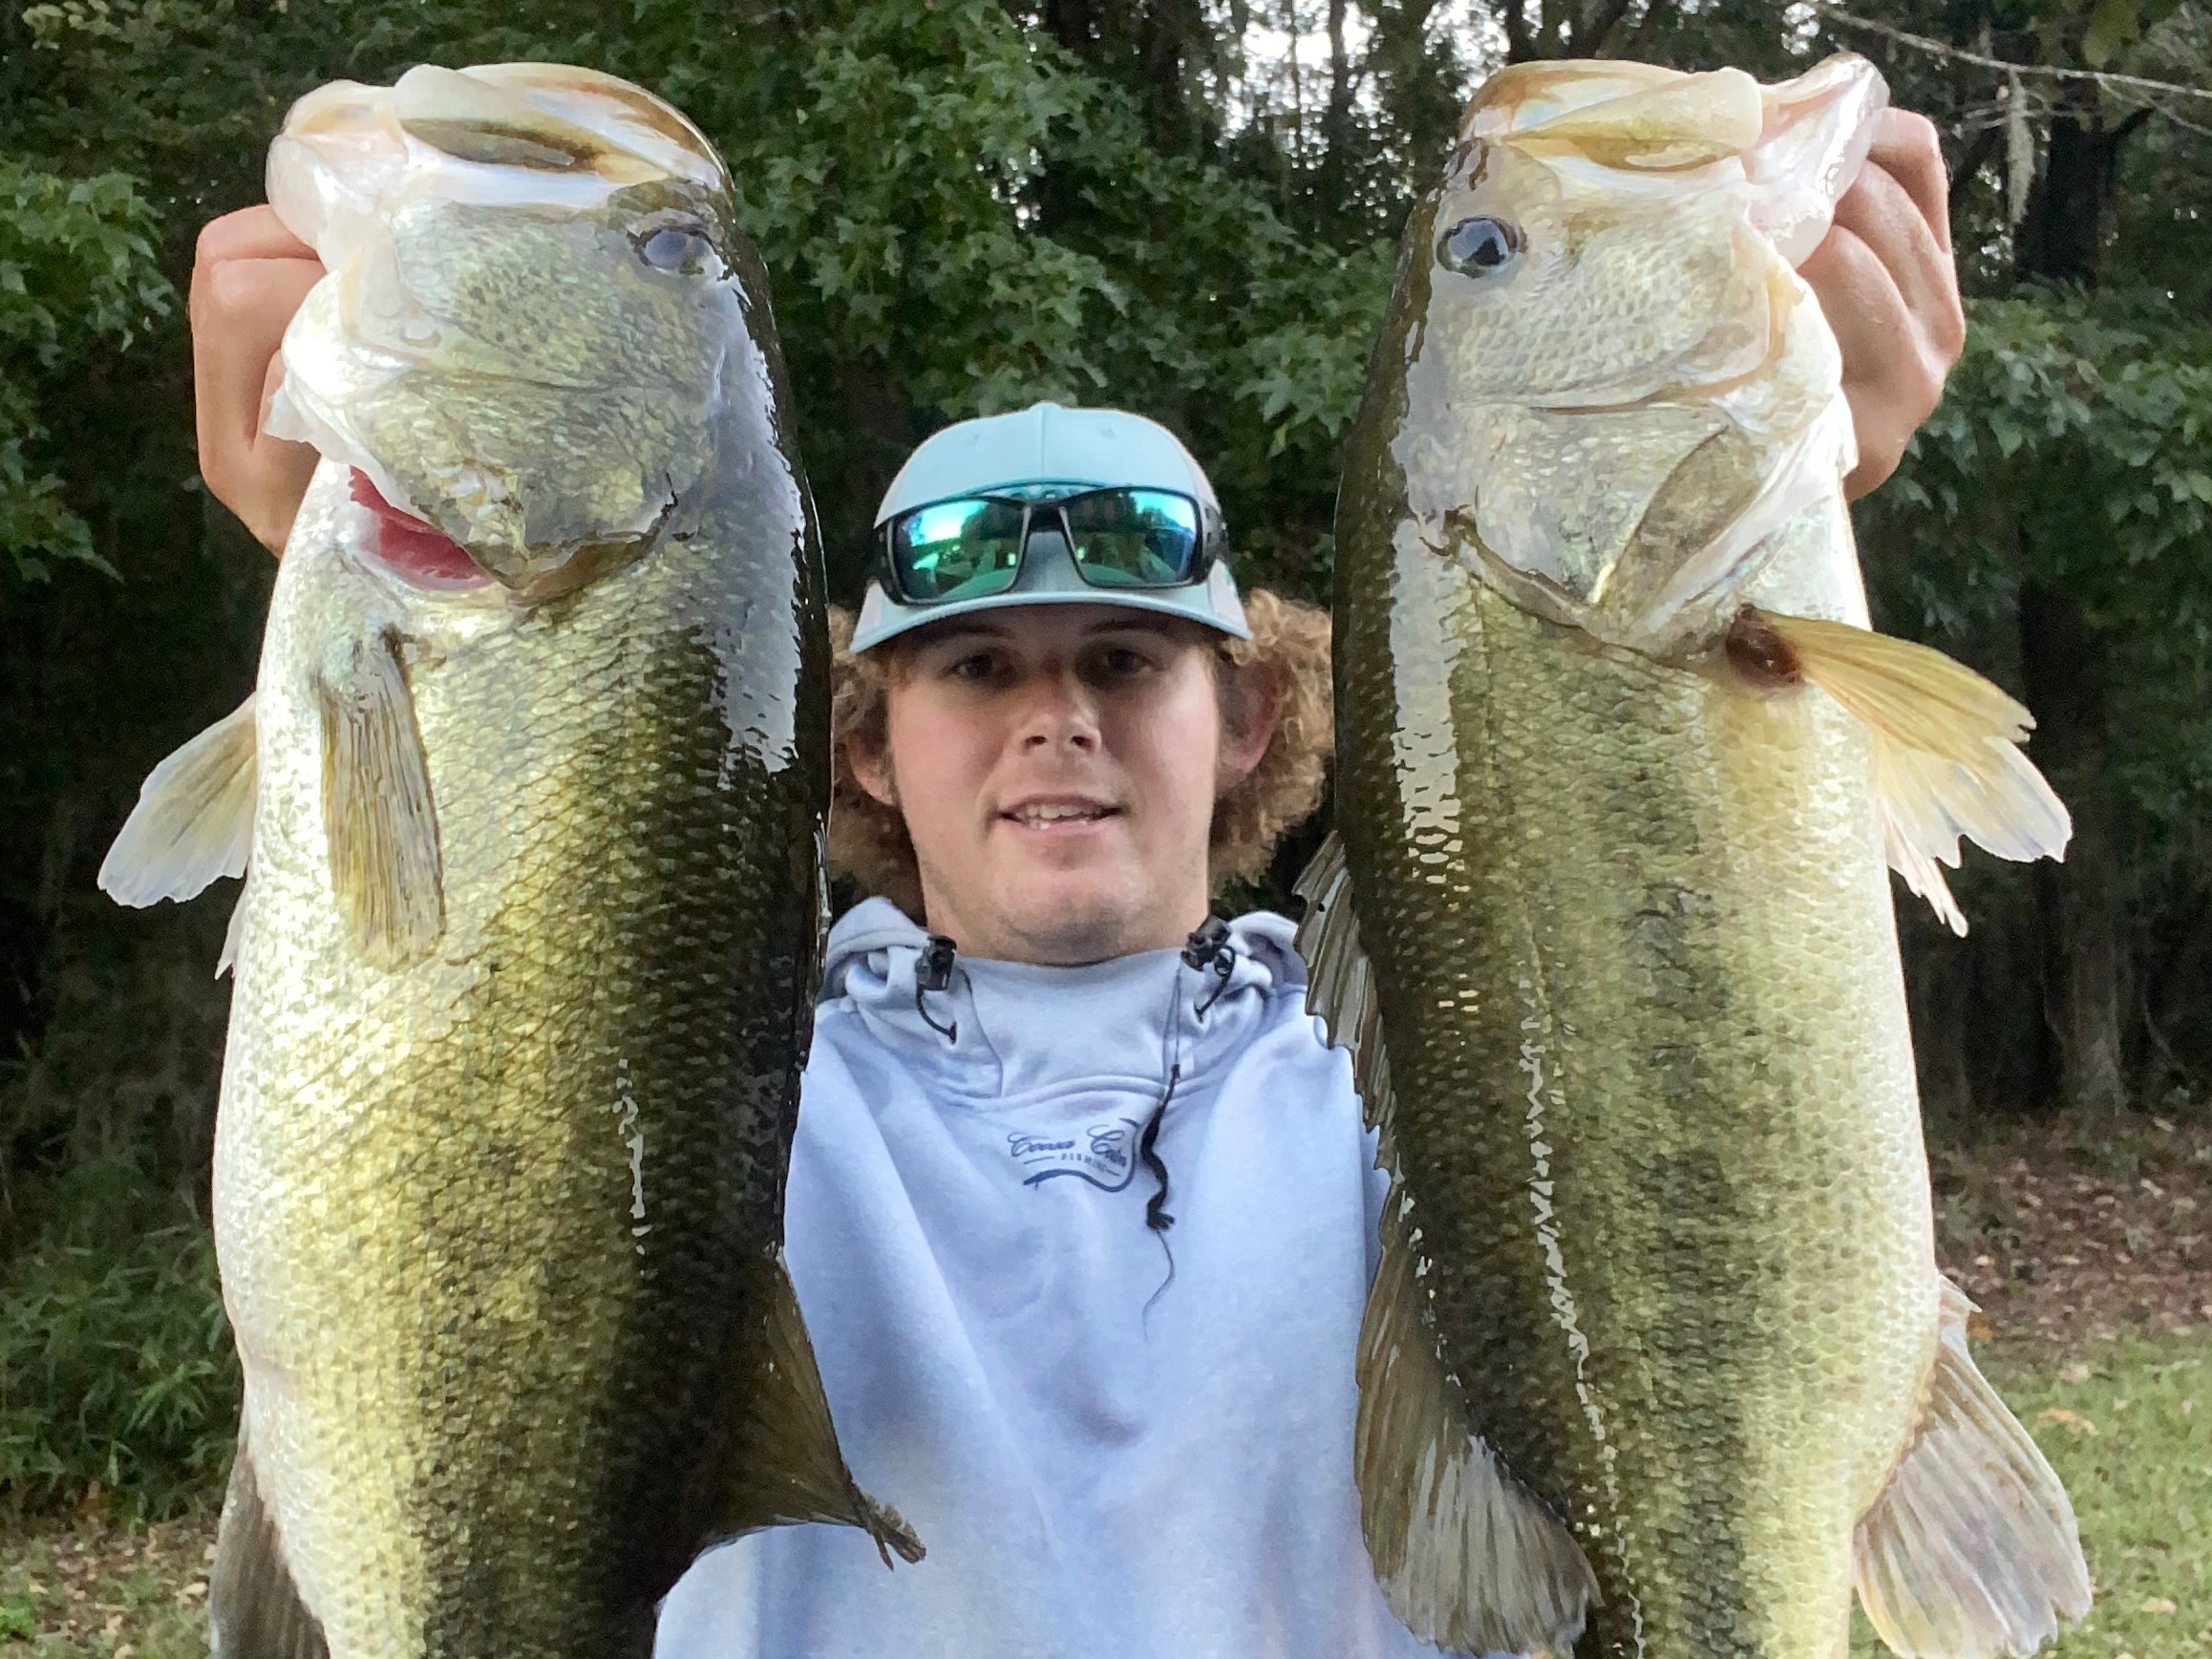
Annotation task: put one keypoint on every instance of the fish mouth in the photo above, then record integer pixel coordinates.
(411, 547)
(421, 554)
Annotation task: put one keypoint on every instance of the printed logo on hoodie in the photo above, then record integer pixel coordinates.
(1102, 1154)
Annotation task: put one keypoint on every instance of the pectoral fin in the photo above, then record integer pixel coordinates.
(377, 815)
(786, 1465)
(193, 820)
(1972, 1550)
(254, 1609)
(1947, 756)
(1466, 1556)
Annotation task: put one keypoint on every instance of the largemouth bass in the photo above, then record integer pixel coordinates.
(1658, 1361)
(533, 783)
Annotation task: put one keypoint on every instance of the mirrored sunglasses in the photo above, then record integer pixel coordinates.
(971, 547)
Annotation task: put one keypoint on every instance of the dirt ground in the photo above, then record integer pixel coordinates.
(101, 1589)
(2074, 1233)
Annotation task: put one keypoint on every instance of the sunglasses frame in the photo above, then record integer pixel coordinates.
(1212, 533)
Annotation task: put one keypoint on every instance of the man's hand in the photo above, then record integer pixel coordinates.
(1885, 279)
(249, 277)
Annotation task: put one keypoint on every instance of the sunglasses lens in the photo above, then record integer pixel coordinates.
(1134, 538)
(958, 549)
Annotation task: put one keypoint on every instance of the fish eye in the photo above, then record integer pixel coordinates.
(681, 248)
(1478, 246)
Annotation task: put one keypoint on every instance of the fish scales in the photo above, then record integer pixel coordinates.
(553, 1154)
(535, 774)
(1676, 1189)
(1658, 1328)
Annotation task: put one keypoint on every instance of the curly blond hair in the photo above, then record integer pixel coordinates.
(1288, 652)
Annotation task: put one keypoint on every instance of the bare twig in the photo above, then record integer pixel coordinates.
(2184, 122)
(2105, 78)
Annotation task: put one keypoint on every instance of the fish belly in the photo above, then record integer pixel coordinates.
(489, 1225)
(1656, 1110)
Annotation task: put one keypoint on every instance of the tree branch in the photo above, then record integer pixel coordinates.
(2137, 117)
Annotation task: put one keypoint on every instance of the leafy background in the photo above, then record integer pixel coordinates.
(1187, 207)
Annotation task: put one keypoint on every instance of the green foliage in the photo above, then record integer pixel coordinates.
(76, 272)
(964, 204)
(116, 1362)
(2072, 452)
(2074, 447)
(961, 217)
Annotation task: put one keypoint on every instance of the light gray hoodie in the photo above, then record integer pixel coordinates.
(1116, 1442)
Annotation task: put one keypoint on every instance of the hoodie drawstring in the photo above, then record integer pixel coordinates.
(1207, 946)
(1156, 1216)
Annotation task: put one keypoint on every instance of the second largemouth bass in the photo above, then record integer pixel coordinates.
(533, 785)
(1658, 1363)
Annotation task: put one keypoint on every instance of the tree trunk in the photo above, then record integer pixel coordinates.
(1567, 29)
(2077, 902)
(1332, 193)
(2061, 238)
(1069, 22)
(1151, 48)
(1939, 993)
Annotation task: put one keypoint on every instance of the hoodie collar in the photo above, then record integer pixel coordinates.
(1003, 1031)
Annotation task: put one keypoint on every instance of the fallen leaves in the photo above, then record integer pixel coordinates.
(2073, 1231)
(106, 1589)
(2065, 1420)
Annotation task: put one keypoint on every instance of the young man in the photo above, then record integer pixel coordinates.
(1081, 1212)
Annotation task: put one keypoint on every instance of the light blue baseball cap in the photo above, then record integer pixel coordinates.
(1044, 450)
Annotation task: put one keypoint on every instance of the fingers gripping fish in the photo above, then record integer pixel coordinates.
(1658, 1363)
(529, 800)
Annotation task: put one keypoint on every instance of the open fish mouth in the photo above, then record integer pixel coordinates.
(410, 547)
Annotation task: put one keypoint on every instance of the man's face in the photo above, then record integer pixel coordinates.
(1057, 767)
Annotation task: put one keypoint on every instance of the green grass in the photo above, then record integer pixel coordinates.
(115, 1374)
(2129, 1428)
(2141, 1484)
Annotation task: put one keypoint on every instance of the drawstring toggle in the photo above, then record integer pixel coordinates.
(933, 971)
(1209, 946)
